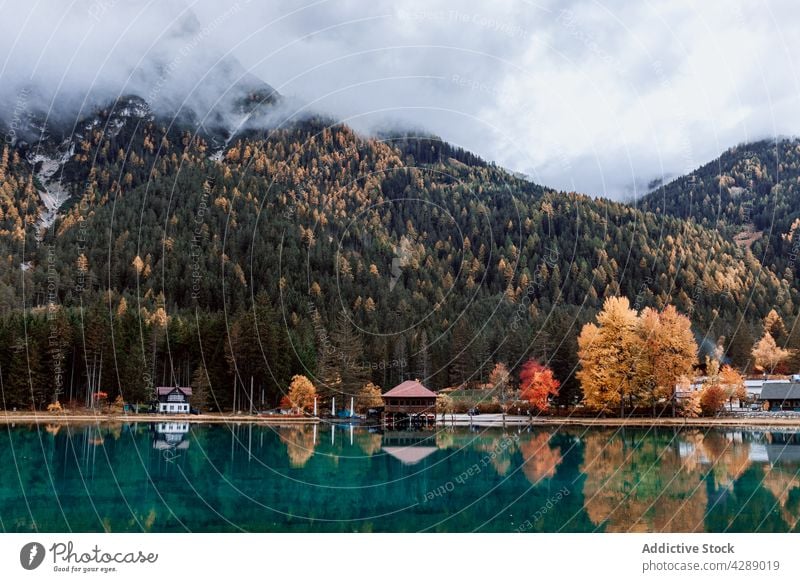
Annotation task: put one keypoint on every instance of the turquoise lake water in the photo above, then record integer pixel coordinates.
(173, 477)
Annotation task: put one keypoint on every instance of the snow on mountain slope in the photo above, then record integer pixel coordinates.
(54, 194)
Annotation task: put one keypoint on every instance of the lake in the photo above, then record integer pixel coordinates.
(167, 477)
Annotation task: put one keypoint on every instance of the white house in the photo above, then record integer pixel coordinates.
(173, 399)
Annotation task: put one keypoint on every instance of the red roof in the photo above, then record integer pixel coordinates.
(410, 389)
(164, 390)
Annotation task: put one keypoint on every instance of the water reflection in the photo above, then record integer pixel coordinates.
(170, 435)
(177, 476)
(300, 443)
(409, 447)
(681, 481)
(638, 483)
(541, 459)
(369, 442)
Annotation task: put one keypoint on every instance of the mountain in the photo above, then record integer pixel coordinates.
(750, 194)
(216, 253)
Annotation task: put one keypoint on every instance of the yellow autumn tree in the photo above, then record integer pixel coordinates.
(607, 353)
(628, 359)
(667, 351)
(774, 326)
(712, 396)
(369, 397)
(138, 264)
(733, 384)
(768, 355)
(302, 393)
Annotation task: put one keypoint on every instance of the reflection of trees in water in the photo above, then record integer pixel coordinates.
(783, 482)
(541, 460)
(497, 449)
(782, 475)
(445, 438)
(299, 441)
(657, 482)
(369, 442)
(629, 487)
(729, 459)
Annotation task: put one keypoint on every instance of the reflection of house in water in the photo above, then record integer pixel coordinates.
(783, 447)
(758, 453)
(409, 447)
(170, 435)
(697, 447)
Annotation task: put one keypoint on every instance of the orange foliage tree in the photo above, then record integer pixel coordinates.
(537, 384)
(733, 384)
(301, 393)
(713, 395)
(712, 399)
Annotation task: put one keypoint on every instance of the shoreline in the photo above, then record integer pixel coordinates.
(482, 421)
(112, 418)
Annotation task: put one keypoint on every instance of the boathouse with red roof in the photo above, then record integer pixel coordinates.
(411, 400)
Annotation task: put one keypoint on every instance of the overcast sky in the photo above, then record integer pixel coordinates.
(584, 95)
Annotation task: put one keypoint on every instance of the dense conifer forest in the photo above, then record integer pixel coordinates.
(224, 261)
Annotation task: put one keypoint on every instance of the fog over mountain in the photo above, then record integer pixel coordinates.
(83, 59)
(604, 98)
(440, 261)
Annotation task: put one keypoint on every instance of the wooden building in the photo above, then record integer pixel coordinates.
(781, 396)
(410, 401)
(173, 399)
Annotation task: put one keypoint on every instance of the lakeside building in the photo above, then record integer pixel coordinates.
(782, 395)
(411, 401)
(173, 399)
(753, 386)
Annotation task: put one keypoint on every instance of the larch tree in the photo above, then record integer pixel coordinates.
(774, 326)
(668, 351)
(733, 384)
(445, 405)
(369, 397)
(607, 353)
(301, 393)
(712, 396)
(768, 355)
(498, 381)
